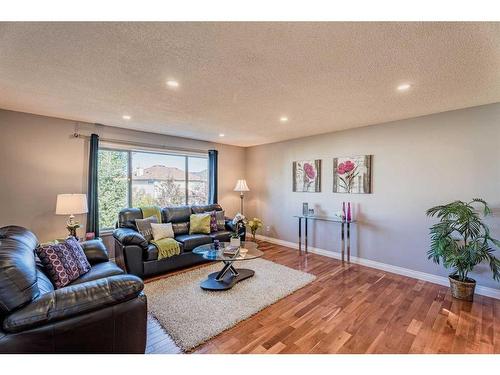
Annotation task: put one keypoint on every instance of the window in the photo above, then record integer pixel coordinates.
(141, 178)
(158, 179)
(197, 180)
(112, 186)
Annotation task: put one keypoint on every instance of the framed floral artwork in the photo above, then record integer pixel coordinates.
(307, 176)
(352, 174)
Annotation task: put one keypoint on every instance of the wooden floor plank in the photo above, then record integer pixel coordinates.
(354, 309)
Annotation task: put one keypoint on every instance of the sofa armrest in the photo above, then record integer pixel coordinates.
(74, 300)
(133, 259)
(95, 251)
(128, 236)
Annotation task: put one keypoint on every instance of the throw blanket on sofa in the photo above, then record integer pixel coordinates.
(149, 211)
(167, 247)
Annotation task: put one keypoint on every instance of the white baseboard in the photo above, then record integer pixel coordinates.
(440, 280)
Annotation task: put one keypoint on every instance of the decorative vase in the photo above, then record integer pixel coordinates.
(343, 211)
(349, 217)
(463, 290)
(235, 242)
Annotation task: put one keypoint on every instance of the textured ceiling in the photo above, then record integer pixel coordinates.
(239, 78)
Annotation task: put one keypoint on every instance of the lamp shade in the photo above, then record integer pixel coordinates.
(241, 185)
(71, 204)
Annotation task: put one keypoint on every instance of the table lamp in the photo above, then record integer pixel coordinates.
(71, 204)
(241, 186)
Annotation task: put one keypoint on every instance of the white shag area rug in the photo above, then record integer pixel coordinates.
(191, 315)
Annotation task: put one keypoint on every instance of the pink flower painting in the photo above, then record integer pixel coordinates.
(347, 172)
(352, 174)
(309, 171)
(306, 176)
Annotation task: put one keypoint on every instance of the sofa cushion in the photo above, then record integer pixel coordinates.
(190, 241)
(99, 271)
(222, 235)
(206, 208)
(173, 263)
(180, 228)
(72, 301)
(176, 214)
(151, 252)
(63, 261)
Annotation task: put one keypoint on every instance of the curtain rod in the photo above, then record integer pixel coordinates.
(138, 144)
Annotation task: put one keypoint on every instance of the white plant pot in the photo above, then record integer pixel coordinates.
(235, 241)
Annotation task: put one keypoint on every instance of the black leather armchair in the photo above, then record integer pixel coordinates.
(104, 311)
(138, 257)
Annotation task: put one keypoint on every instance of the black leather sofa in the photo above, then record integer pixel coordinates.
(103, 311)
(140, 258)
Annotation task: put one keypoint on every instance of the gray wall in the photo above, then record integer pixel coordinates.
(39, 159)
(417, 163)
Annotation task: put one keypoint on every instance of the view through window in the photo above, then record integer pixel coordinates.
(140, 178)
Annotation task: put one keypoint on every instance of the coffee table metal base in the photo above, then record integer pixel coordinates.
(226, 278)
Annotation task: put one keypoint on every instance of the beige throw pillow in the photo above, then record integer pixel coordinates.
(161, 231)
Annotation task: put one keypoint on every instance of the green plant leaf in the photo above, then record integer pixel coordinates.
(460, 240)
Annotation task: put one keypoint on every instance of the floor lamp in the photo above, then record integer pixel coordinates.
(241, 186)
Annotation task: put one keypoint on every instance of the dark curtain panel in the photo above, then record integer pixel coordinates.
(212, 176)
(93, 214)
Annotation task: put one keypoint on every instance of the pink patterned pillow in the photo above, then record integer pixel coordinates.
(64, 261)
(213, 221)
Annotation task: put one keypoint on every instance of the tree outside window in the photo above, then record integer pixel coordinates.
(112, 186)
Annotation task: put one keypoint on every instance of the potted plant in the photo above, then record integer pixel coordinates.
(235, 239)
(255, 224)
(461, 241)
(238, 222)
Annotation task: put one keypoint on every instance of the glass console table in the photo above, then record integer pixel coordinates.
(345, 232)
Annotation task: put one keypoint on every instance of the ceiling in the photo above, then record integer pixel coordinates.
(240, 78)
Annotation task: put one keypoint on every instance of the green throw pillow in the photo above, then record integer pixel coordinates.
(199, 223)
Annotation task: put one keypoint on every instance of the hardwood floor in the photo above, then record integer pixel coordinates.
(355, 309)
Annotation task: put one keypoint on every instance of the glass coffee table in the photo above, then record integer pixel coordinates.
(228, 276)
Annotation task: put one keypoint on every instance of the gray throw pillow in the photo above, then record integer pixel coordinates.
(221, 220)
(144, 227)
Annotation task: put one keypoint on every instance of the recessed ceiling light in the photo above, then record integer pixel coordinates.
(404, 87)
(221, 135)
(126, 117)
(283, 119)
(172, 83)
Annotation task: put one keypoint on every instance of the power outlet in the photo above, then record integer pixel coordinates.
(268, 228)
